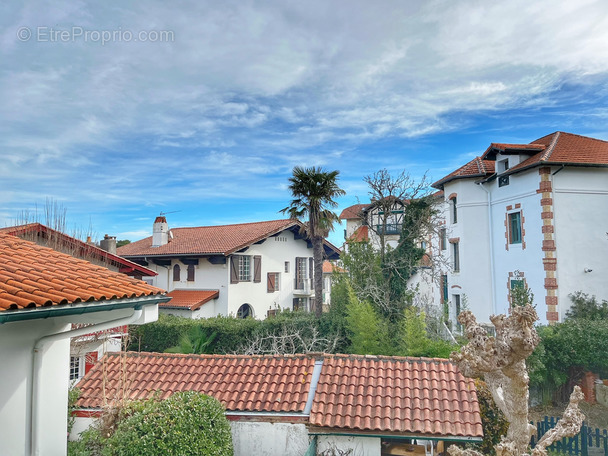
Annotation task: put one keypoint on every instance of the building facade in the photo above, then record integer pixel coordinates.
(530, 216)
(246, 270)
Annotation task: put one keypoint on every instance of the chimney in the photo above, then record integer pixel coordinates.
(160, 231)
(108, 243)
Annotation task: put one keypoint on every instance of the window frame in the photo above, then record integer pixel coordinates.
(244, 268)
(75, 367)
(191, 273)
(515, 235)
(177, 272)
(443, 238)
(456, 256)
(454, 200)
(276, 284)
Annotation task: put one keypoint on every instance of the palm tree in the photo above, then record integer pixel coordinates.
(314, 190)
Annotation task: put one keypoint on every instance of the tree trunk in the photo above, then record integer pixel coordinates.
(317, 252)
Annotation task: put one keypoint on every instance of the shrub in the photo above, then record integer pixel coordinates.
(187, 423)
(493, 420)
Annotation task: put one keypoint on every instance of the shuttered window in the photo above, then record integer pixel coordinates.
(300, 273)
(190, 273)
(240, 268)
(176, 273)
(257, 269)
(272, 282)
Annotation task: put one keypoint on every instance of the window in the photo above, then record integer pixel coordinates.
(300, 273)
(286, 266)
(515, 228)
(176, 273)
(273, 282)
(300, 304)
(443, 238)
(74, 367)
(503, 165)
(240, 268)
(245, 311)
(503, 181)
(456, 256)
(190, 273)
(244, 268)
(454, 210)
(444, 287)
(456, 300)
(423, 245)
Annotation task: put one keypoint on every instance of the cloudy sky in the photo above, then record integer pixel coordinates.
(121, 110)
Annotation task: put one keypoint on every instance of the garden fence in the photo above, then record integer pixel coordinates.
(588, 442)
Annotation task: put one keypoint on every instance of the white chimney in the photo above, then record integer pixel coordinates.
(160, 231)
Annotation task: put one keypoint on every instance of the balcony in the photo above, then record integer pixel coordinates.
(304, 288)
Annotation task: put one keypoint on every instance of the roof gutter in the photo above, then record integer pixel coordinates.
(317, 432)
(9, 316)
(39, 346)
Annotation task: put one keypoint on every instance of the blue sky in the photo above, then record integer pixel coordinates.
(209, 110)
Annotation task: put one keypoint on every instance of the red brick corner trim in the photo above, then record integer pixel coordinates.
(545, 189)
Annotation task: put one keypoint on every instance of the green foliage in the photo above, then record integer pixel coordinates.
(73, 395)
(493, 420)
(187, 423)
(364, 326)
(197, 340)
(521, 295)
(415, 339)
(586, 308)
(122, 242)
(233, 333)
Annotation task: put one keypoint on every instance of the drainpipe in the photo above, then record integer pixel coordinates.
(493, 279)
(39, 347)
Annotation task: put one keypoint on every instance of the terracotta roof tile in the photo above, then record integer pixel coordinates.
(356, 393)
(35, 276)
(353, 212)
(189, 299)
(62, 242)
(241, 383)
(219, 240)
(475, 168)
(392, 394)
(361, 234)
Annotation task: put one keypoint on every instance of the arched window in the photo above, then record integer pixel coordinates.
(176, 273)
(245, 311)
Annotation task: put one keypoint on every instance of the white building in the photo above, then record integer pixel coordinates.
(42, 294)
(528, 215)
(249, 269)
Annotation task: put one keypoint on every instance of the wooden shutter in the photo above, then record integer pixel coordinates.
(270, 286)
(257, 268)
(190, 273)
(176, 273)
(89, 361)
(234, 269)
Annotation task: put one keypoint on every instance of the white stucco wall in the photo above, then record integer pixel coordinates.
(361, 446)
(269, 439)
(580, 205)
(16, 357)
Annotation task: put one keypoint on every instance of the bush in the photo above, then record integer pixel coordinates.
(493, 420)
(587, 308)
(187, 423)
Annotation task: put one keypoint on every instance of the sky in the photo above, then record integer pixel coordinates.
(118, 111)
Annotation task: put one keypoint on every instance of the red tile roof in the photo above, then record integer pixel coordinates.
(33, 276)
(353, 212)
(189, 299)
(475, 168)
(241, 383)
(392, 394)
(354, 393)
(219, 240)
(62, 242)
(361, 234)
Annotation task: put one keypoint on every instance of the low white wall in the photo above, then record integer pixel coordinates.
(81, 424)
(269, 439)
(361, 446)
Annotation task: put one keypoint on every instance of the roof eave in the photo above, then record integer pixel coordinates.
(320, 430)
(9, 316)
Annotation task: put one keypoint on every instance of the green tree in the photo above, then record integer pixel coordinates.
(364, 326)
(197, 341)
(587, 308)
(314, 191)
(416, 341)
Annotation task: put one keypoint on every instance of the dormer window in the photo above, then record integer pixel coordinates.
(503, 165)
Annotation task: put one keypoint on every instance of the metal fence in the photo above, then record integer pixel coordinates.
(588, 442)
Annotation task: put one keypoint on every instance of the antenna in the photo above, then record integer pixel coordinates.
(170, 212)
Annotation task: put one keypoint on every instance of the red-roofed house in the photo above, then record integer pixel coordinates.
(528, 215)
(85, 350)
(284, 404)
(248, 269)
(43, 293)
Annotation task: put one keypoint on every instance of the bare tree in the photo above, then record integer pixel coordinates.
(290, 340)
(501, 360)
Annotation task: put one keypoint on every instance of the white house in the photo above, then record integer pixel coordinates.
(42, 294)
(87, 349)
(249, 269)
(528, 215)
(288, 404)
